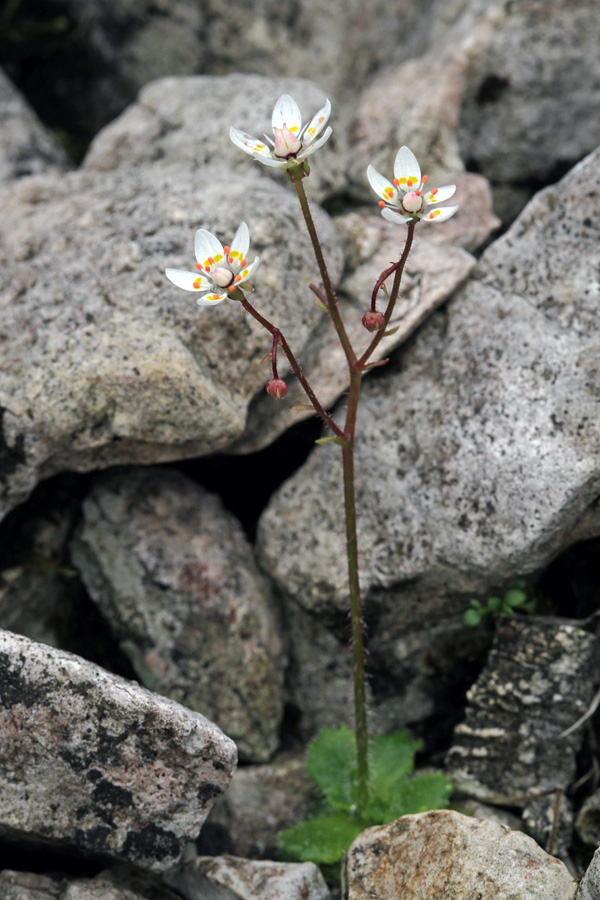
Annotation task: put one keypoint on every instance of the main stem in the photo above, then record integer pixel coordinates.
(360, 700)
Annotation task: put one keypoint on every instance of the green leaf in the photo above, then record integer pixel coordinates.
(494, 604)
(477, 605)
(321, 840)
(391, 758)
(331, 764)
(515, 597)
(326, 440)
(428, 790)
(471, 618)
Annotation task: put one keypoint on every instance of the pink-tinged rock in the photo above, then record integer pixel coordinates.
(443, 854)
(174, 575)
(95, 763)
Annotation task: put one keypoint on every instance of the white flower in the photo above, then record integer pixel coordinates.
(404, 200)
(220, 269)
(292, 143)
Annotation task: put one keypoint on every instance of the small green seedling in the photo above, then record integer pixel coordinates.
(393, 792)
(515, 599)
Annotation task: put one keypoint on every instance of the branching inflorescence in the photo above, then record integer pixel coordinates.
(224, 272)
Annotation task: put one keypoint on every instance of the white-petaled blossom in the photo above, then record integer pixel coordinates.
(292, 142)
(219, 269)
(406, 200)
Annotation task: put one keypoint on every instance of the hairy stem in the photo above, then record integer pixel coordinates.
(278, 336)
(399, 269)
(332, 307)
(360, 702)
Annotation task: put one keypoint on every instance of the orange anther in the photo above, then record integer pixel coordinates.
(396, 182)
(243, 263)
(230, 259)
(381, 203)
(198, 266)
(433, 192)
(225, 250)
(238, 277)
(210, 260)
(424, 179)
(231, 287)
(418, 193)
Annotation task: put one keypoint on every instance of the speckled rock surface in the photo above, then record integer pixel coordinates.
(109, 885)
(174, 575)
(589, 886)
(521, 76)
(105, 361)
(445, 854)
(478, 450)
(260, 802)
(537, 682)
(244, 879)
(94, 763)
(26, 147)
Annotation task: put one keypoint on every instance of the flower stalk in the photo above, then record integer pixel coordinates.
(222, 272)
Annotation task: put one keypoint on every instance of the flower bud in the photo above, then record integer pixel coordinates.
(276, 388)
(373, 320)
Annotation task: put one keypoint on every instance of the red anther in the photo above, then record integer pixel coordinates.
(276, 388)
(418, 193)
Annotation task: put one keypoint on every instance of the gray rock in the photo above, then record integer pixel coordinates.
(589, 886)
(26, 147)
(445, 854)
(511, 89)
(94, 763)
(260, 802)
(538, 680)
(109, 885)
(231, 878)
(174, 575)
(587, 823)
(104, 361)
(477, 451)
(549, 821)
(184, 123)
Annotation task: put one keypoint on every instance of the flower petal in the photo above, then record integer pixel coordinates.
(189, 281)
(315, 144)
(210, 299)
(439, 195)
(439, 214)
(240, 243)
(286, 112)
(245, 274)
(382, 187)
(406, 168)
(393, 216)
(317, 124)
(207, 246)
(249, 144)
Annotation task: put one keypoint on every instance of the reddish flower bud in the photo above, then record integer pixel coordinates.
(276, 388)
(373, 321)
